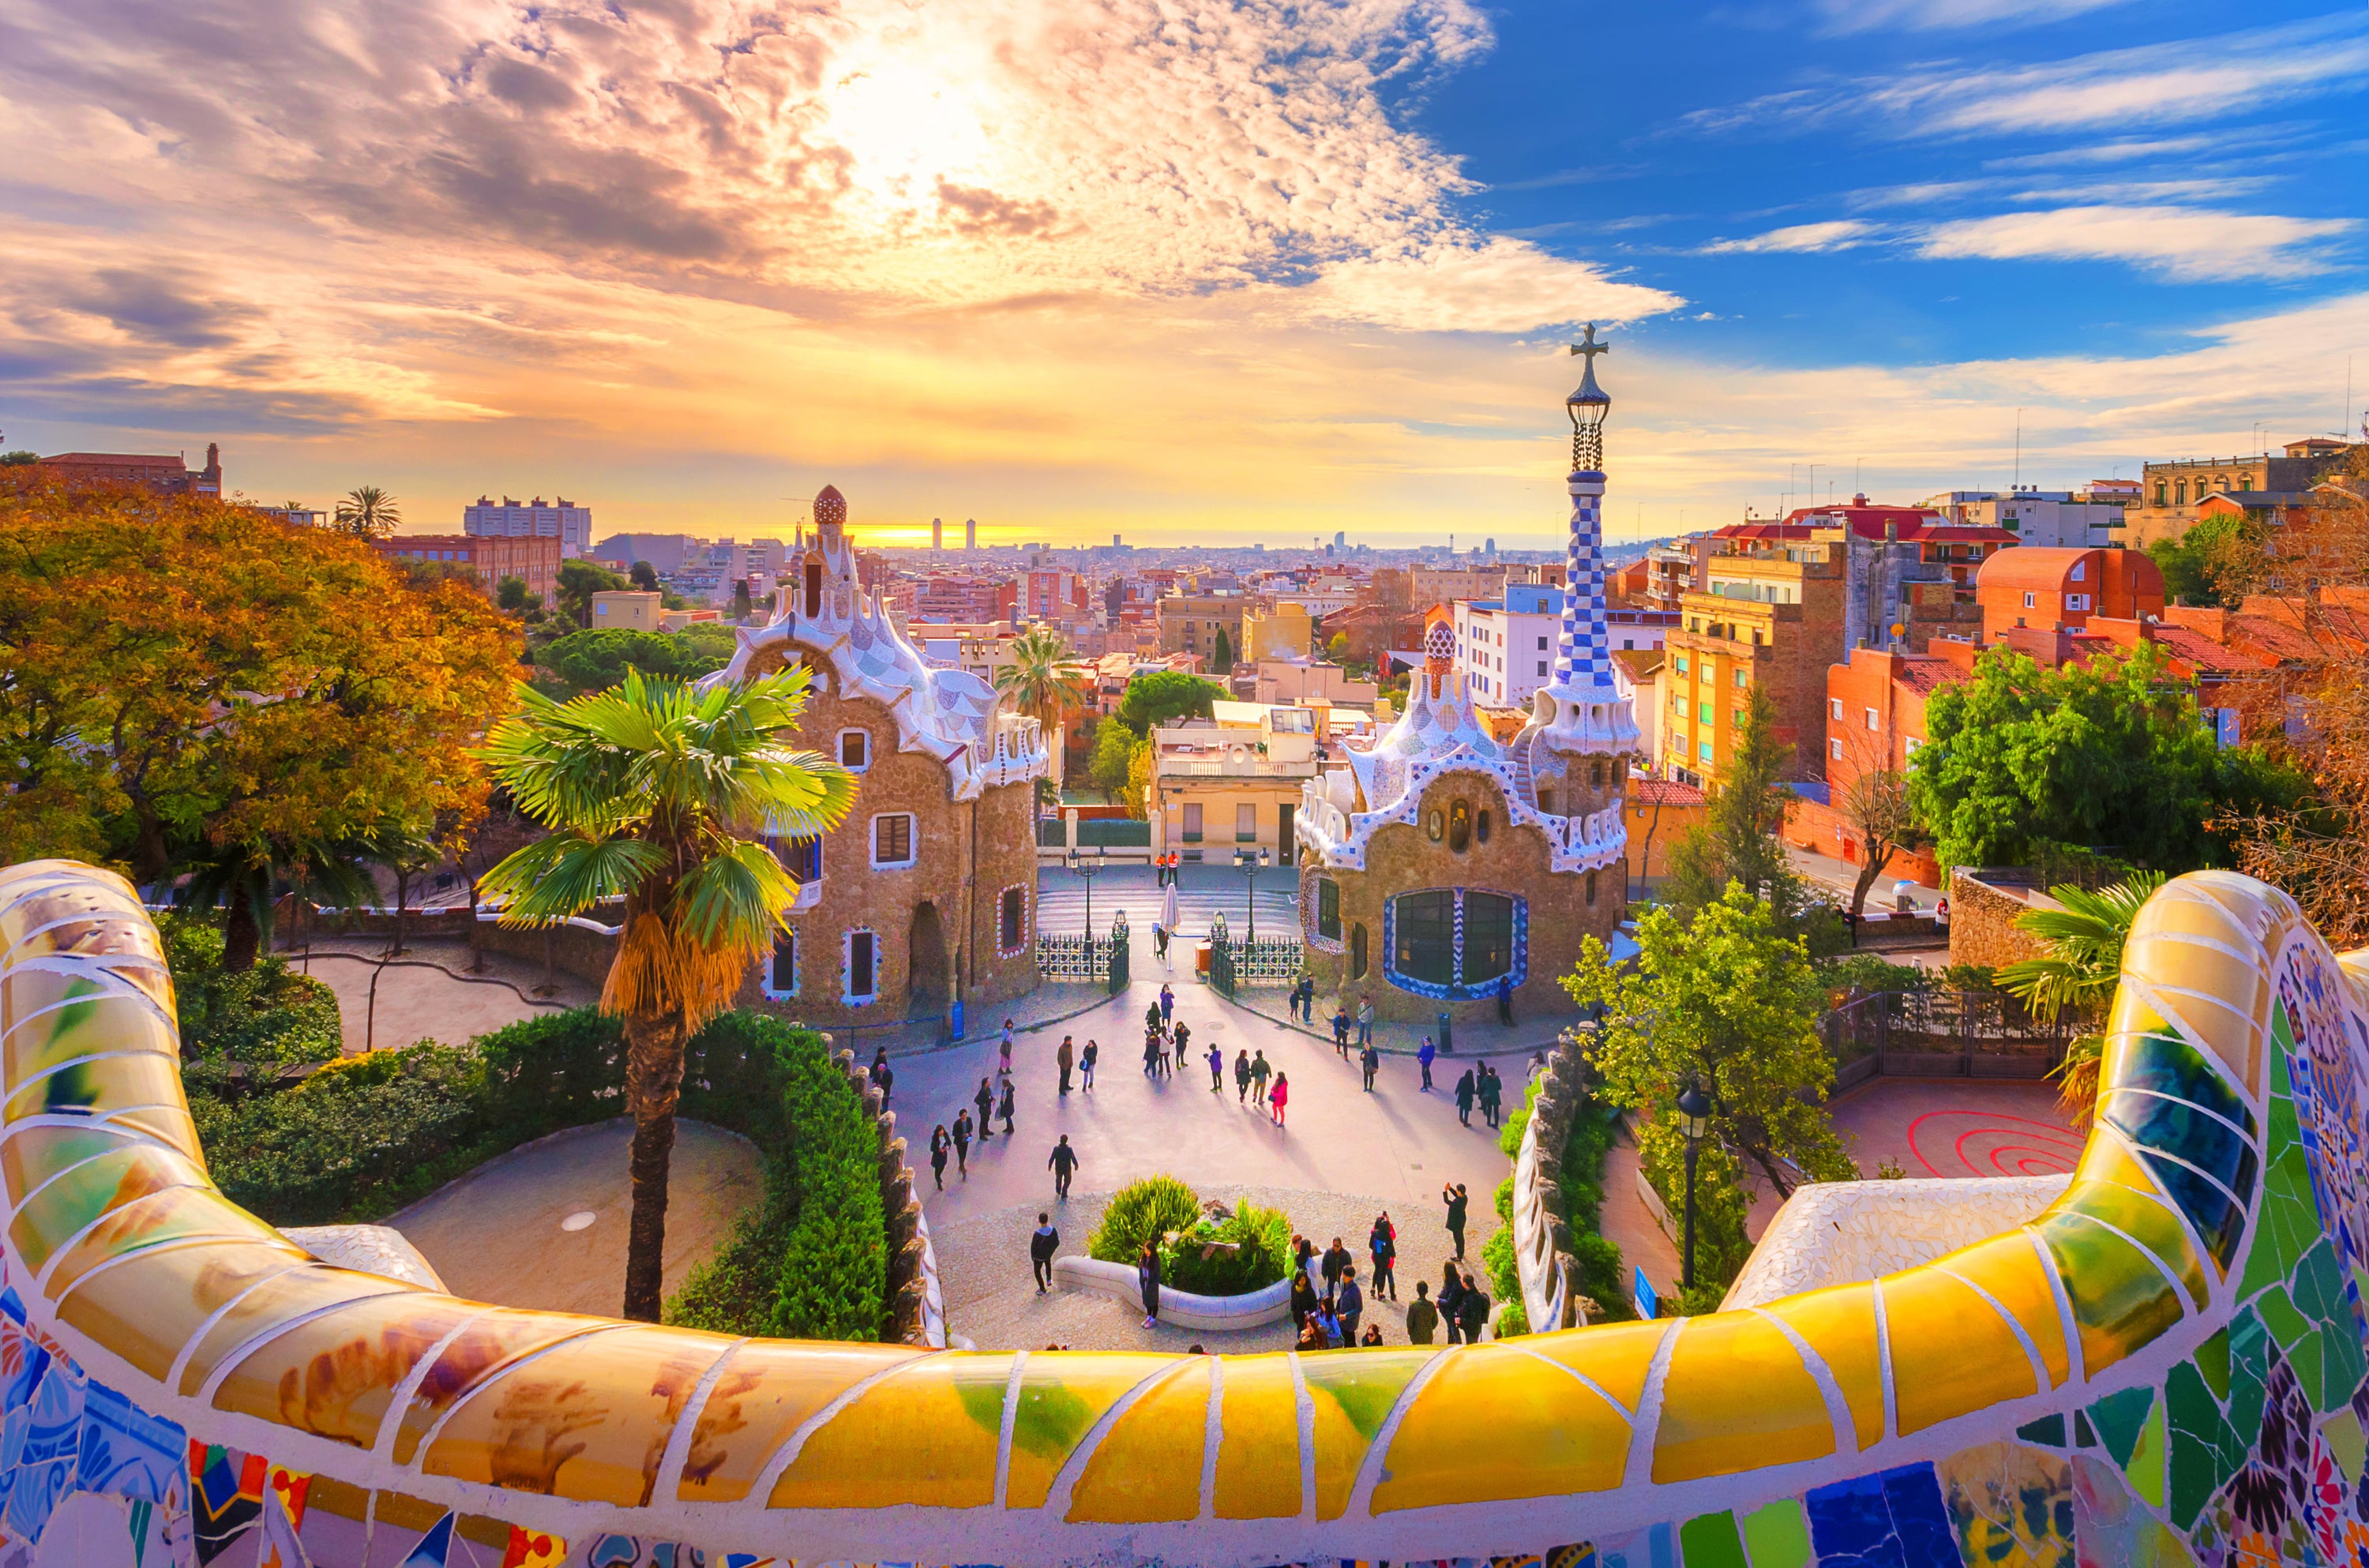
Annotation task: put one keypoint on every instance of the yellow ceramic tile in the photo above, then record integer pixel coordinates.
(273, 1302)
(2220, 999)
(173, 1214)
(1951, 1352)
(149, 1079)
(925, 1434)
(1839, 1322)
(2155, 1225)
(1351, 1393)
(145, 1308)
(1488, 1427)
(763, 1395)
(55, 1018)
(1060, 1398)
(2104, 1159)
(479, 1352)
(1737, 1398)
(36, 1154)
(335, 1374)
(1614, 1357)
(2184, 916)
(1258, 1457)
(588, 1421)
(2121, 1300)
(60, 1211)
(1146, 1469)
(2009, 1269)
(2131, 1017)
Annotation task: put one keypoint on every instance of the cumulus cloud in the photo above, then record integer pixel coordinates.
(1841, 234)
(2186, 244)
(1500, 285)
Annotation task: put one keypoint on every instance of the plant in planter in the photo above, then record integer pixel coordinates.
(1206, 1254)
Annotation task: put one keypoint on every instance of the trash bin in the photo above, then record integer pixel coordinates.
(1446, 1036)
(1201, 960)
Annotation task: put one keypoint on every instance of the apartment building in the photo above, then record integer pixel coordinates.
(2049, 518)
(1231, 781)
(2170, 491)
(532, 560)
(1772, 618)
(167, 473)
(1283, 631)
(1504, 648)
(1189, 622)
(2060, 590)
(561, 519)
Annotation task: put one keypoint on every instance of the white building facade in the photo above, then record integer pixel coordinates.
(560, 519)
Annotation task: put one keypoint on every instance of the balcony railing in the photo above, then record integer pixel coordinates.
(1224, 767)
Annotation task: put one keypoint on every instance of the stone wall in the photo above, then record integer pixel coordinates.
(914, 1297)
(1402, 858)
(1981, 920)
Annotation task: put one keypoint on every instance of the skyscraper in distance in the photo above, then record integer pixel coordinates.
(937, 534)
(970, 533)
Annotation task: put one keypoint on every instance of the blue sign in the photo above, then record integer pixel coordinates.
(1641, 1297)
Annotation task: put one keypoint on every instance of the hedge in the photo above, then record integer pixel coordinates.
(266, 1018)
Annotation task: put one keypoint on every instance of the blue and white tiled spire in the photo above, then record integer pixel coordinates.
(1583, 709)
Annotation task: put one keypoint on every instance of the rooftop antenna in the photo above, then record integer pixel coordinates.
(2018, 484)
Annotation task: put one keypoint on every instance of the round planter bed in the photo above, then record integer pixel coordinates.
(1181, 1308)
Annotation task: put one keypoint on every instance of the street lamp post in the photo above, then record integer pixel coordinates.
(1694, 1111)
(1089, 869)
(1249, 862)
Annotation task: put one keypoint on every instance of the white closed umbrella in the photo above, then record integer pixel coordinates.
(1168, 910)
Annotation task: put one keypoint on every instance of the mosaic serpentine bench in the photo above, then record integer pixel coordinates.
(2164, 1367)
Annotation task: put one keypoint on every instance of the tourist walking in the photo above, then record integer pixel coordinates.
(1217, 1069)
(1086, 1064)
(1167, 1004)
(1063, 1163)
(1350, 1304)
(1473, 1310)
(883, 1077)
(1424, 1058)
(1155, 1051)
(1538, 1066)
(1370, 1058)
(1451, 1291)
(1491, 1090)
(1280, 1096)
(1336, 1262)
(1382, 1244)
(1160, 941)
(985, 1101)
(1063, 1059)
(1242, 1076)
(962, 1144)
(1147, 1281)
(1464, 1098)
(1184, 1039)
(1340, 1027)
(1504, 999)
(1422, 1317)
(1042, 1245)
(939, 1144)
(1458, 1205)
(1151, 1019)
(1003, 1107)
(1003, 1051)
(1941, 917)
(1260, 1073)
(1365, 1018)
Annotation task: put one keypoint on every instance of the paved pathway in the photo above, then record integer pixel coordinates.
(429, 994)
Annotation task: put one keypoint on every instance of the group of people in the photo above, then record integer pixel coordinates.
(1163, 868)
(1481, 1086)
(1327, 1303)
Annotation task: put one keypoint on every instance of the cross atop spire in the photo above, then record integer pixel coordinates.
(1588, 345)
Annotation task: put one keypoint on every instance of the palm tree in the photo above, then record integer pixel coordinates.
(368, 513)
(1043, 680)
(2078, 973)
(646, 788)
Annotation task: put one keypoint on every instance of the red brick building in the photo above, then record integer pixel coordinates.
(167, 473)
(2060, 590)
(1875, 721)
(535, 558)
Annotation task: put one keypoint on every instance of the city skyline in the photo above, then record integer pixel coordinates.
(1076, 271)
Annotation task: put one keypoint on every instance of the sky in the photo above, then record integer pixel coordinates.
(1177, 270)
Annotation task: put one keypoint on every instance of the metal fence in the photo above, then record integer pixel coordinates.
(1260, 961)
(1946, 1034)
(1086, 958)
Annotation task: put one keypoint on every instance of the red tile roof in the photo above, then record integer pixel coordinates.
(1925, 676)
(1916, 525)
(2201, 653)
(1664, 792)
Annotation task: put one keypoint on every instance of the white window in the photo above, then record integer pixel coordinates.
(2078, 568)
(1834, 707)
(854, 749)
(1542, 667)
(894, 842)
(1245, 822)
(1871, 718)
(2076, 601)
(780, 981)
(1834, 747)
(1192, 821)
(2031, 601)
(862, 967)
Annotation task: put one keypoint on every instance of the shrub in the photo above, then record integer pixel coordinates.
(1869, 973)
(1497, 1262)
(1262, 1254)
(1143, 1211)
(267, 1018)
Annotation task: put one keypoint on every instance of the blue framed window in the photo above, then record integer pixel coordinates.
(1454, 942)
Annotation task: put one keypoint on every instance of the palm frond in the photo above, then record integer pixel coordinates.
(735, 897)
(554, 878)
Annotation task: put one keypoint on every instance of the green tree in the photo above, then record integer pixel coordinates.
(1744, 811)
(579, 581)
(510, 594)
(1139, 761)
(1045, 682)
(1729, 1000)
(1222, 653)
(646, 788)
(742, 606)
(2109, 755)
(1338, 650)
(368, 512)
(1165, 696)
(644, 576)
(2195, 565)
(1113, 752)
(2078, 973)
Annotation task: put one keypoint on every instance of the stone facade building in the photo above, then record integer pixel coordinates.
(926, 894)
(1440, 860)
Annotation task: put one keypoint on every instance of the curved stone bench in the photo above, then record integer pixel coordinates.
(1181, 1308)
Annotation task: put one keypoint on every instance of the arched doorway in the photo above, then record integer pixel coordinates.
(931, 986)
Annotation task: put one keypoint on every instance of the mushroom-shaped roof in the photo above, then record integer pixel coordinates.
(829, 507)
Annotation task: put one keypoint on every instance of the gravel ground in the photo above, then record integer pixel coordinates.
(983, 1269)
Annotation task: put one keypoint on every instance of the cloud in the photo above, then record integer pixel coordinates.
(1841, 234)
(1867, 15)
(1497, 285)
(2154, 84)
(2187, 243)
